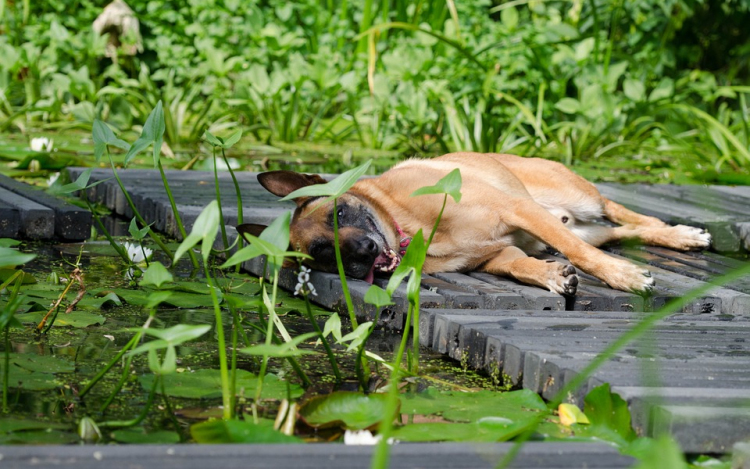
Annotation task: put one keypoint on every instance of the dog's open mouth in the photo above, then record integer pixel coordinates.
(386, 262)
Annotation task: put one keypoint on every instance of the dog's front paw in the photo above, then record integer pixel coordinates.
(564, 280)
(626, 276)
(689, 237)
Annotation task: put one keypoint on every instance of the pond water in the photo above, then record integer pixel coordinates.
(48, 371)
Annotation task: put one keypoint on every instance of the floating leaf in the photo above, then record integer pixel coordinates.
(43, 363)
(283, 350)
(238, 431)
(485, 430)
(206, 383)
(29, 380)
(13, 425)
(609, 410)
(138, 435)
(470, 407)
(75, 319)
(350, 410)
(10, 257)
(156, 275)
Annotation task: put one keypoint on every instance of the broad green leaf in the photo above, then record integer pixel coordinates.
(277, 233)
(180, 333)
(333, 326)
(232, 139)
(350, 410)
(487, 429)
(40, 437)
(661, 453)
(29, 380)
(412, 262)
(238, 431)
(357, 336)
(377, 296)
(664, 89)
(10, 424)
(138, 435)
(205, 229)
(156, 298)
(9, 257)
(43, 363)
(156, 275)
(75, 319)
(210, 138)
(136, 233)
(470, 407)
(509, 17)
(333, 189)
(206, 384)
(283, 350)
(450, 184)
(568, 105)
(104, 136)
(79, 184)
(153, 133)
(609, 410)
(634, 89)
(8, 243)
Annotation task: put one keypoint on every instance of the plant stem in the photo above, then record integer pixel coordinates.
(218, 199)
(326, 345)
(176, 213)
(137, 215)
(340, 265)
(225, 390)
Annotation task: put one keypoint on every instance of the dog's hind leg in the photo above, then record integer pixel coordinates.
(650, 230)
(513, 262)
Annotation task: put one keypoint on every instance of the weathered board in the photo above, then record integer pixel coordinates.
(29, 213)
(533, 455)
(690, 376)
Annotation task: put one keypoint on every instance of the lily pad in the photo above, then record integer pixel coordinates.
(350, 410)
(139, 436)
(14, 425)
(30, 380)
(238, 431)
(489, 429)
(470, 407)
(43, 363)
(73, 319)
(206, 384)
(39, 437)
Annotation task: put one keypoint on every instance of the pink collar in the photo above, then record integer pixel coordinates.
(405, 239)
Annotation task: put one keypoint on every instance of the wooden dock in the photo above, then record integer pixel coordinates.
(689, 377)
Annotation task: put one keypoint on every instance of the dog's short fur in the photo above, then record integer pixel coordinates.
(511, 207)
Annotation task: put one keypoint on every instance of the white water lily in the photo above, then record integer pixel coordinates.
(41, 144)
(53, 179)
(363, 438)
(137, 253)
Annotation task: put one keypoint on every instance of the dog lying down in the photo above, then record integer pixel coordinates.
(511, 207)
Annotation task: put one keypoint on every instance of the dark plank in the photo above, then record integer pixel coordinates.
(71, 223)
(533, 455)
(36, 221)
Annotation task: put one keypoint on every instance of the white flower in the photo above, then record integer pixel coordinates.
(136, 253)
(363, 438)
(41, 144)
(304, 287)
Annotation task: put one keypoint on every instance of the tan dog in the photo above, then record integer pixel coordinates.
(511, 207)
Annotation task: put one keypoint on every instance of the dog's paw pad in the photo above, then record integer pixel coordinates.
(690, 237)
(564, 280)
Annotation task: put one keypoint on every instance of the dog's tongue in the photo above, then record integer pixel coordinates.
(381, 259)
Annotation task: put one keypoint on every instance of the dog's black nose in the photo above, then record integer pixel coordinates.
(363, 247)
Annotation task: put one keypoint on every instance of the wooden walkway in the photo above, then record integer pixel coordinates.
(690, 377)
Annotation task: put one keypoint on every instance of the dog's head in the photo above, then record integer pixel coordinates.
(368, 238)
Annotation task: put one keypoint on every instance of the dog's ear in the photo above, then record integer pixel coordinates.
(251, 229)
(283, 183)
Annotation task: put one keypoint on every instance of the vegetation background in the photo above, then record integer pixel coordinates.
(623, 90)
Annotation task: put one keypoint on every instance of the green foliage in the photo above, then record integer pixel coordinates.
(574, 81)
(237, 431)
(350, 410)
